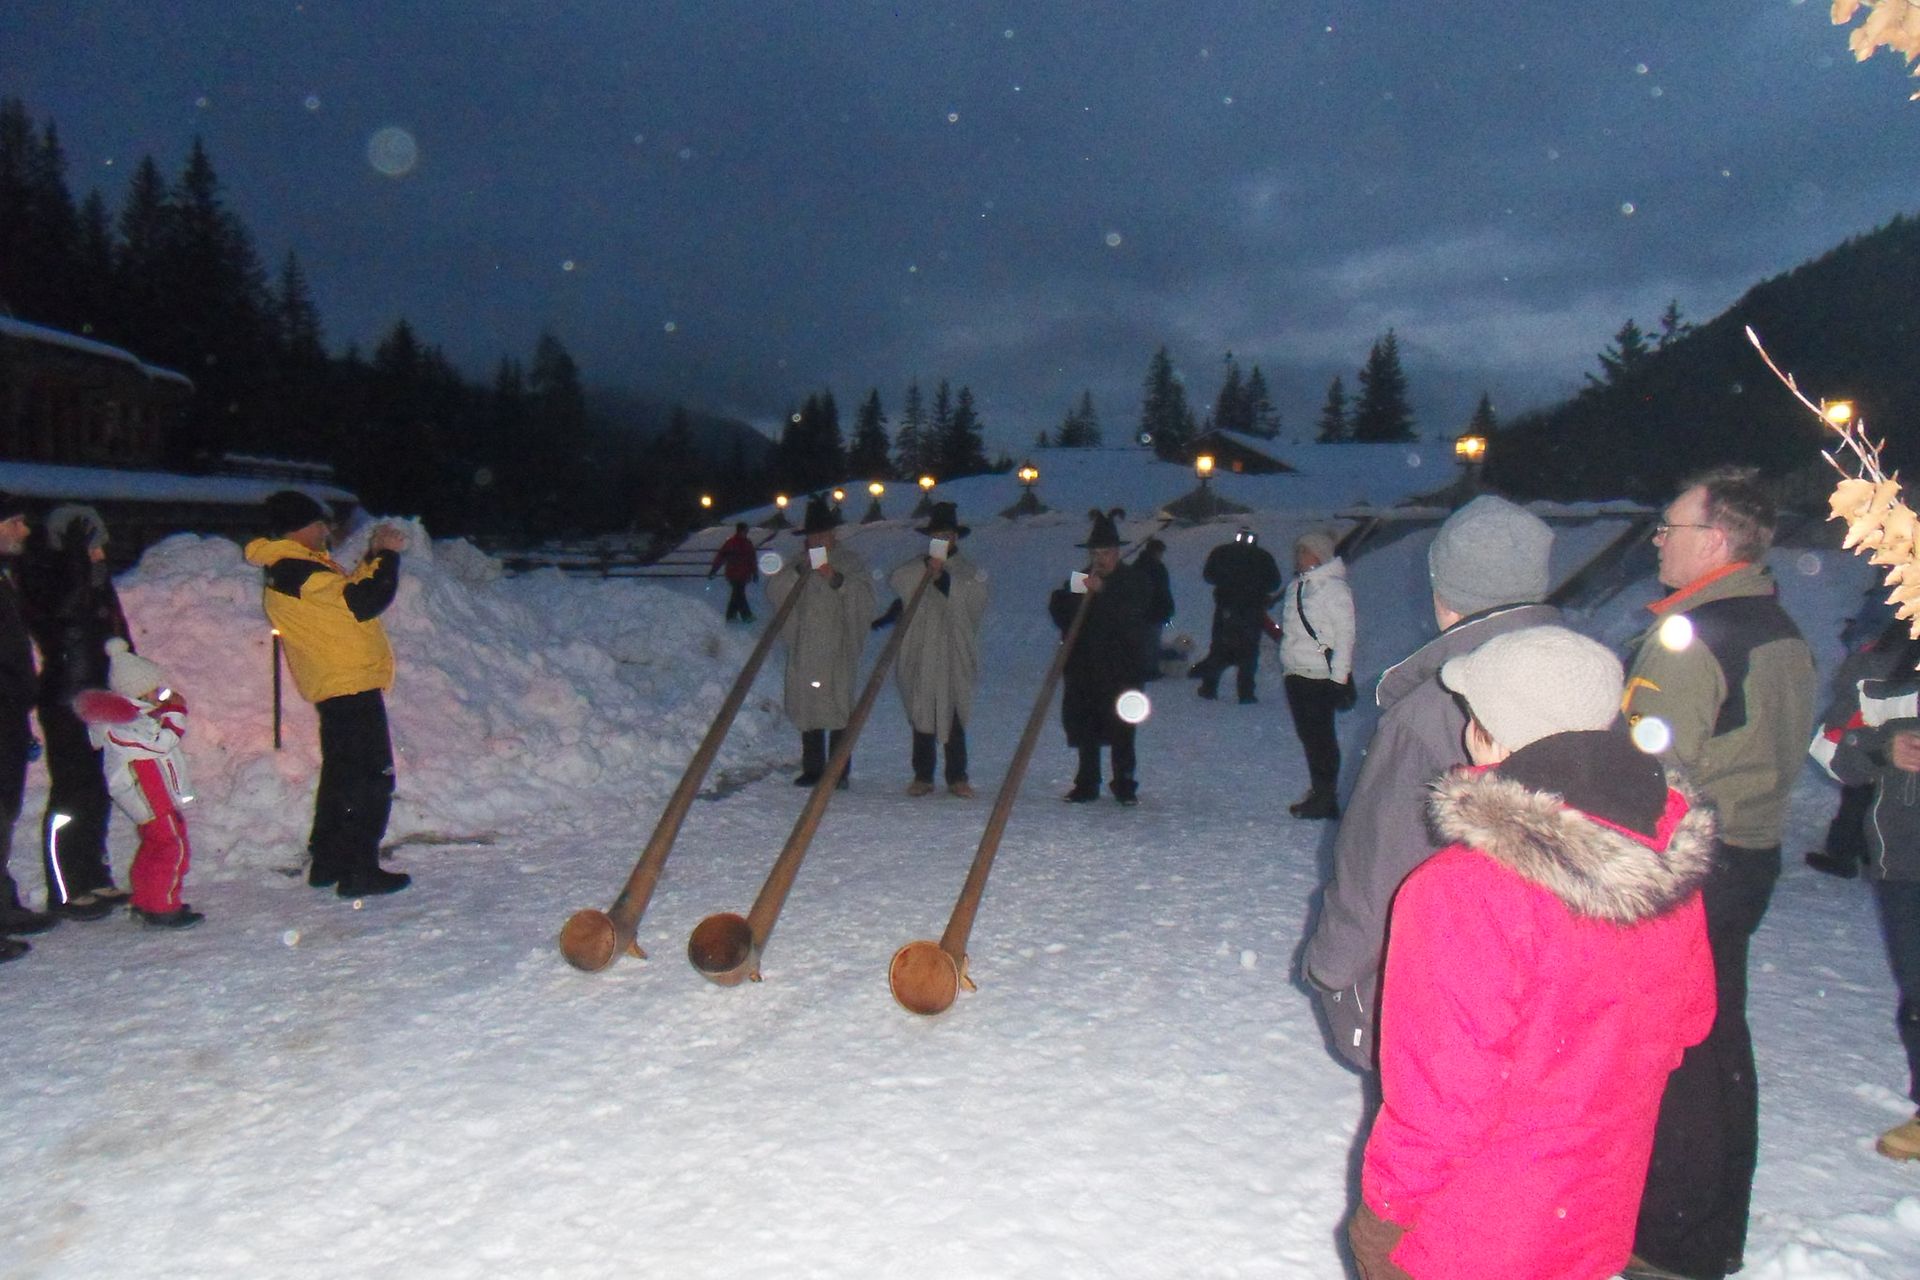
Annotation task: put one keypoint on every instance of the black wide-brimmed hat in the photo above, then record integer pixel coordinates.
(1105, 532)
(944, 518)
(821, 517)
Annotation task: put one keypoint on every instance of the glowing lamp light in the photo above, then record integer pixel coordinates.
(1676, 633)
(1028, 474)
(1652, 734)
(927, 482)
(1470, 449)
(1133, 707)
(1203, 465)
(780, 501)
(1838, 414)
(839, 495)
(706, 501)
(875, 488)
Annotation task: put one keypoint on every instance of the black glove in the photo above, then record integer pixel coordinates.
(1349, 696)
(887, 619)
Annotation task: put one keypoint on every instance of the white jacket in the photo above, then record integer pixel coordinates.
(1323, 595)
(140, 746)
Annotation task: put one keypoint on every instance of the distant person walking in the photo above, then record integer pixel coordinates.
(18, 689)
(1487, 567)
(1105, 662)
(939, 661)
(736, 558)
(1316, 654)
(1244, 578)
(328, 617)
(73, 612)
(824, 639)
(1152, 563)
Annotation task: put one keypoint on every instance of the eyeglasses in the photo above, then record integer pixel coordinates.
(1664, 527)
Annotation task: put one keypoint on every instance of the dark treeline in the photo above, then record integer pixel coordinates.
(174, 277)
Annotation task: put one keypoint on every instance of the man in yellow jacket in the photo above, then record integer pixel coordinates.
(328, 618)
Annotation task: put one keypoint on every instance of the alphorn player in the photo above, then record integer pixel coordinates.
(940, 653)
(824, 638)
(1105, 661)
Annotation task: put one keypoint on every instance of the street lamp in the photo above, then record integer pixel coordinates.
(874, 513)
(706, 502)
(925, 508)
(1203, 467)
(1471, 450)
(1029, 504)
(1203, 504)
(778, 520)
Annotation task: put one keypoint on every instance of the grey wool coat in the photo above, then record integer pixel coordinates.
(824, 637)
(939, 658)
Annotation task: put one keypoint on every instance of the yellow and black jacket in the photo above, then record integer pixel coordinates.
(329, 618)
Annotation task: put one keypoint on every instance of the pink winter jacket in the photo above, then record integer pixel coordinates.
(1544, 974)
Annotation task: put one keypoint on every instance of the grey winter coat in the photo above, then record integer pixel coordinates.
(1854, 749)
(824, 637)
(939, 659)
(1385, 832)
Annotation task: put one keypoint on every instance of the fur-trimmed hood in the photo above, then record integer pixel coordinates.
(1599, 870)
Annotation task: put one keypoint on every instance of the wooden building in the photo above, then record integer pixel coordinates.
(1237, 453)
(68, 399)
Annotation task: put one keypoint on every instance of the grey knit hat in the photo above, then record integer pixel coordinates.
(1538, 681)
(1318, 543)
(1488, 553)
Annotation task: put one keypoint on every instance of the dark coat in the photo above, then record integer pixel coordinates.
(1105, 661)
(18, 683)
(72, 611)
(1244, 577)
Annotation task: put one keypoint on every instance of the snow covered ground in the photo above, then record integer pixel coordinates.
(419, 1085)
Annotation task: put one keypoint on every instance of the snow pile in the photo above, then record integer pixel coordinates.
(515, 700)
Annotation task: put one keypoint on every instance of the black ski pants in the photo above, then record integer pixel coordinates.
(737, 606)
(355, 796)
(923, 754)
(1693, 1217)
(74, 853)
(1314, 704)
(816, 745)
(1120, 737)
(1899, 902)
(1236, 643)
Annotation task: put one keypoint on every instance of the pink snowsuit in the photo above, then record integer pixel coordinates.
(147, 777)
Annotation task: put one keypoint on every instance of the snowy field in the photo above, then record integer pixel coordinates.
(419, 1085)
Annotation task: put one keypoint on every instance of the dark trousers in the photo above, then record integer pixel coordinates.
(815, 746)
(737, 606)
(1900, 925)
(1847, 833)
(923, 753)
(1120, 738)
(14, 737)
(1313, 704)
(1693, 1217)
(74, 855)
(355, 796)
(1236, 643)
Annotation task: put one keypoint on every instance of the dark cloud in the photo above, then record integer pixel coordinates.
(739, 202)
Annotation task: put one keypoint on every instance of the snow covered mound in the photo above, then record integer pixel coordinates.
(515, 699)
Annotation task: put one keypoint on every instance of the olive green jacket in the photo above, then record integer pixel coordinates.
(1730, 691)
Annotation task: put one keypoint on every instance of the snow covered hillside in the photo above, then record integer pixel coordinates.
(305, 1087)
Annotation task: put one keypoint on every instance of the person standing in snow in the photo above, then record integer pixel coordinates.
(19, 686)
(1316, 653)
(1244, 578)
(1105, 662)
(1724, 679)
(736, 557)
(824, 637)
(939, 659)
(137, 725)
(328, 618)
(1547, 968)
(74, 613)
(1873, 741)
(1152, 563)
(1487, 566)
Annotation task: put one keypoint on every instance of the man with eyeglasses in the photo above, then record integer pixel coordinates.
(1722, 684)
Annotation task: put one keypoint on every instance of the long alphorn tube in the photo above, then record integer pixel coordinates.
(591, 940)
(926, 976)
(726, 948)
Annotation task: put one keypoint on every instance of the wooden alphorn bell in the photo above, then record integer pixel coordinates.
(926, 976)
(591, 940)
(725, 947)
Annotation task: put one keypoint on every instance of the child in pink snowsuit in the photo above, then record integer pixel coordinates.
(138, 726)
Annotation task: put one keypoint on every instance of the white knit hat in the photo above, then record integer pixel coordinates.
(129, 674)
(1535, 682)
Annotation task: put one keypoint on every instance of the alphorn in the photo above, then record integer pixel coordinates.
(926, 976)
(591, 940)
(725, 947)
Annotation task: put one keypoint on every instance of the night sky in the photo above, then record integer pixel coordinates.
(736, 203)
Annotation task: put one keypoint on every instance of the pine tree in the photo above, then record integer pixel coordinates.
(869, 454)
(909, 442)
(1265, 419)
(1380, 413)
(1089, 422)
(938, 429)
(1165, 420)
(1334, 428)
(141, 265)
(1628, 352)
(94, 284)
(298, 319)
(39, 230)
(1231, 411)
(963, 451)
(1483, 423)
(1672, 327)
(1041, 441)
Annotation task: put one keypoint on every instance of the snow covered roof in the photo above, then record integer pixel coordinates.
(24, 332)
(47, 480)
